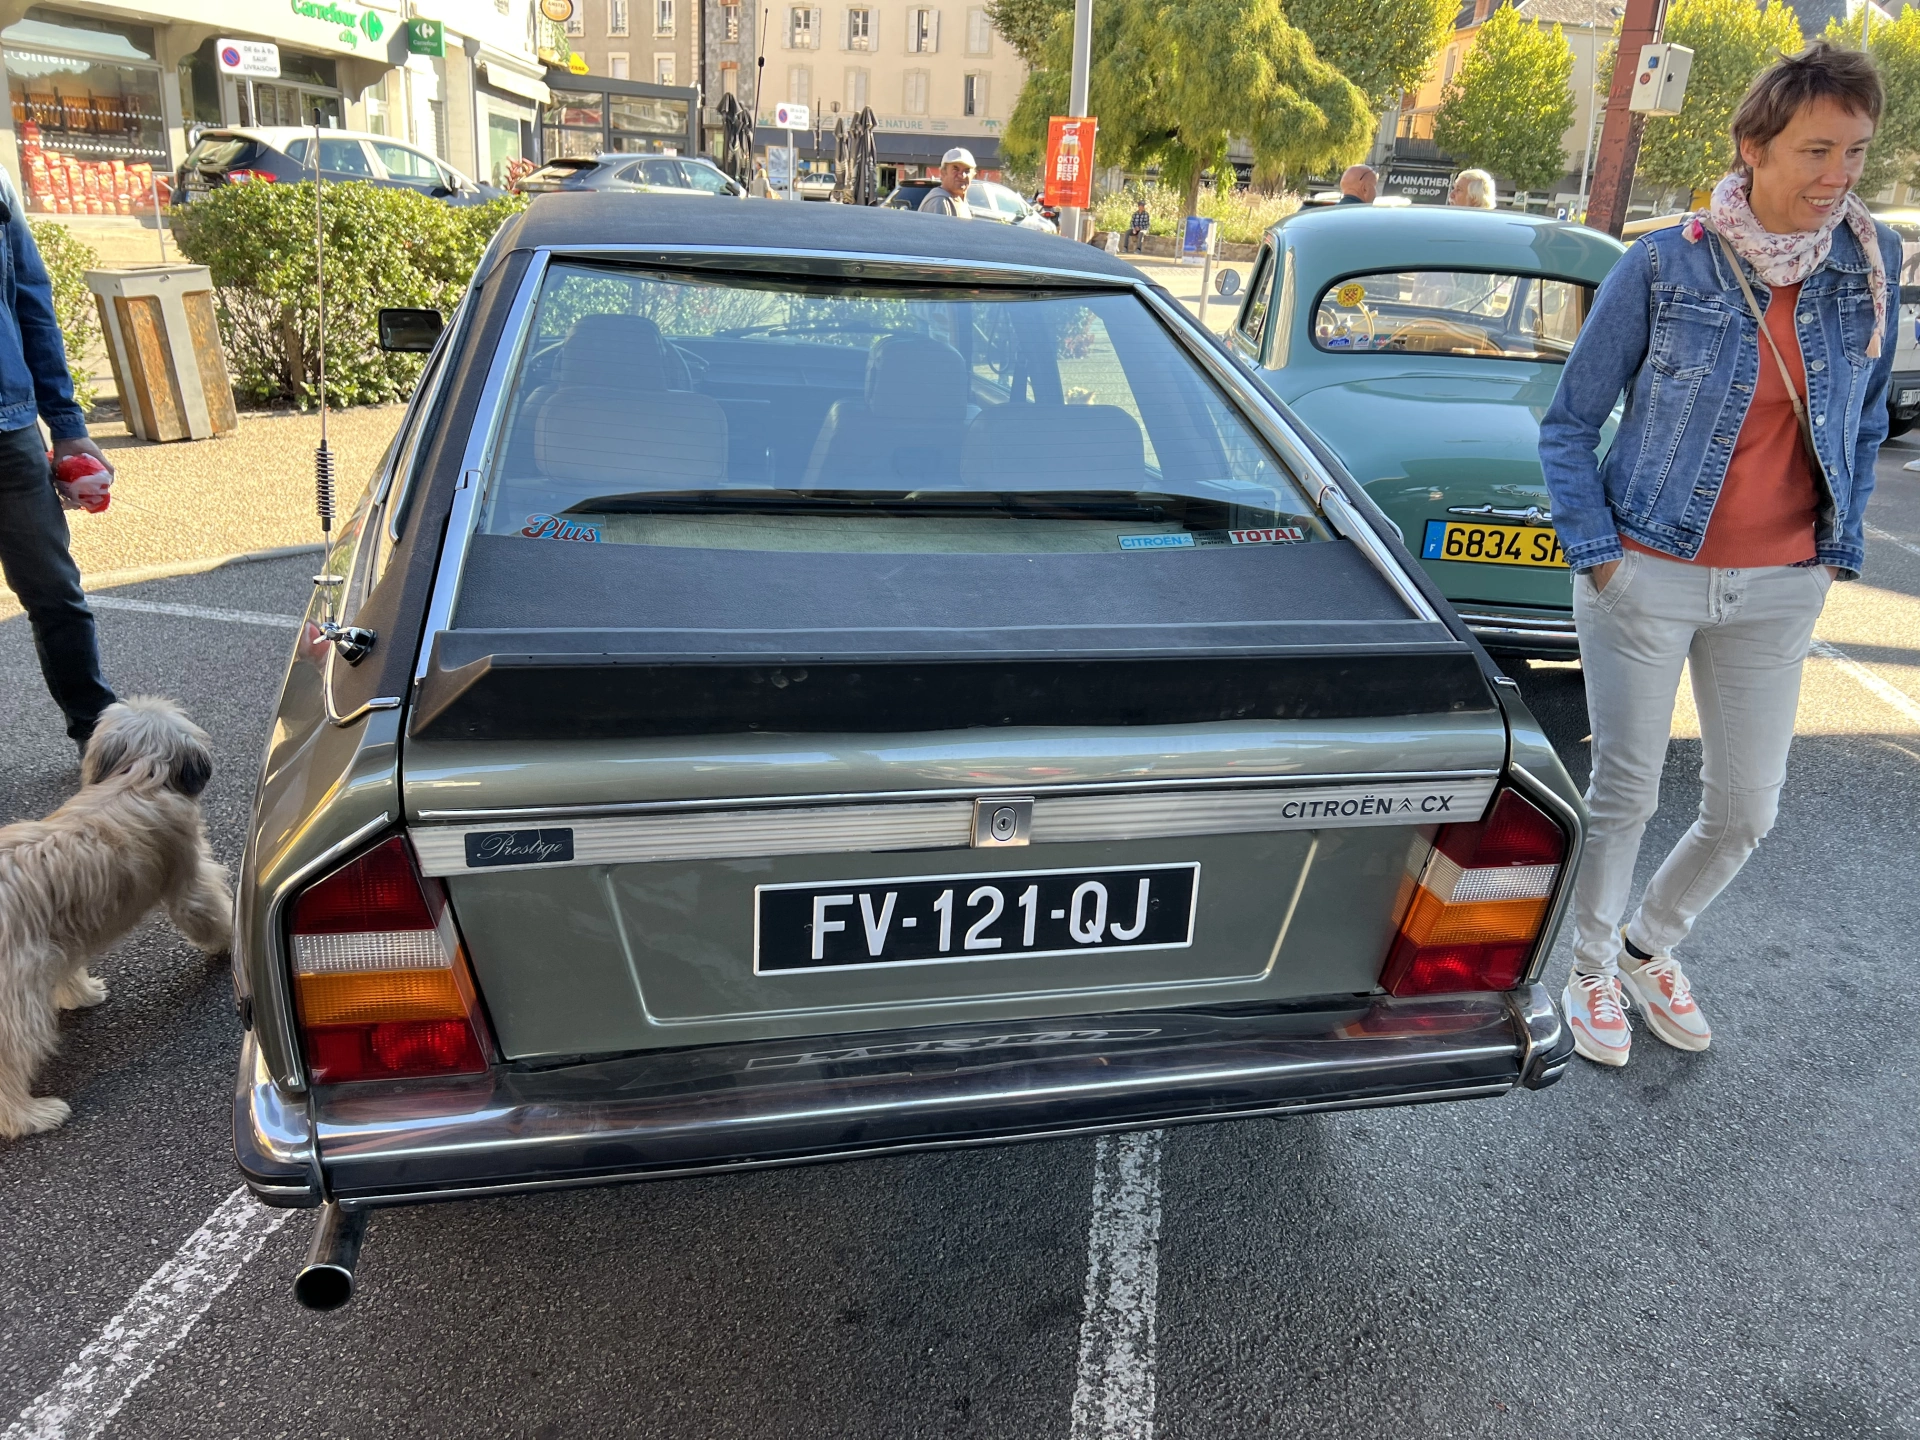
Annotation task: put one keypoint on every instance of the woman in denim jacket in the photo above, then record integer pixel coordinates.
(1732, 497)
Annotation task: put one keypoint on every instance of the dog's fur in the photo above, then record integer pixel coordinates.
(75, 882)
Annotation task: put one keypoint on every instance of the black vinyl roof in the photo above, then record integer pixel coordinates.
(589, 220)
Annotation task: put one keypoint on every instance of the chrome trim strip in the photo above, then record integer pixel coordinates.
(1091, 787)
(1345, 519)
(272, 1135)
(820, 830)
(1519, 624)
(473, 464)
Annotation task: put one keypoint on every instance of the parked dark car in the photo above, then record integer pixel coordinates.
(647, 174)
(273, 153)
(811, 683)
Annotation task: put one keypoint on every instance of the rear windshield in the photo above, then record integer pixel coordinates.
(779, 414)
(217, 152)
(1452, 312)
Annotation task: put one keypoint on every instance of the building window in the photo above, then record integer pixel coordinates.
(730, 74)
(859, 29)
(979, 33)
(801, 34)
(437, 111)
(916, 96)
(799, 84)
(856, 90)
(577, 22)
(923, 33)
(663, 17)
(616, 17)
(732, 15)
(663, 69)
(973, 95)
(1452, 57)
(617, 65)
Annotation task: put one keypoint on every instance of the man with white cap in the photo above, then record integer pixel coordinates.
(956, 174)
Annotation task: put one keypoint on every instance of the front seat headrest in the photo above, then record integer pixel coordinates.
(621, 352)
(918, 377)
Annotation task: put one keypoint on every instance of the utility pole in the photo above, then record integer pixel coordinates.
(1077, 102)
(1620, 135)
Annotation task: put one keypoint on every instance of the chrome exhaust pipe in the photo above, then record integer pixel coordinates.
(325, 1282)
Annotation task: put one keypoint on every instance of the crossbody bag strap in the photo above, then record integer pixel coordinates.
(1786, 373)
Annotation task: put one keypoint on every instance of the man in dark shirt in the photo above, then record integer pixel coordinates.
(35, 387)
(1359, 185)
(950, 197)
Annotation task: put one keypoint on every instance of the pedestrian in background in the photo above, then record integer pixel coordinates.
(1359, 185)
(34, 541)
(1474, 190)
(759, 187)
(949, 197)
(1731, 499)
(1137, 228)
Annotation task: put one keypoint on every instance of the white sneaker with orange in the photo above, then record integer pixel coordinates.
(1598, 1015)
(1659, 987)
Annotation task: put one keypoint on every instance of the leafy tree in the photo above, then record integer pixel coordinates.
(1026, 24)
(1895, 154)
(1173, 80)
(1511, 101)
(1382, 46)
(1732, 41)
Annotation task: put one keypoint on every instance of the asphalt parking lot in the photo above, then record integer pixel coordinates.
(1708, 1246)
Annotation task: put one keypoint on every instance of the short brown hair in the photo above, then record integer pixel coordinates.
(1822, 71)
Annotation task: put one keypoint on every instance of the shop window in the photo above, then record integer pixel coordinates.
(200, 87)
(86, 115)
(503, 144)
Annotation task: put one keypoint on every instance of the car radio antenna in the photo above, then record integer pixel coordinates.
(352, 642)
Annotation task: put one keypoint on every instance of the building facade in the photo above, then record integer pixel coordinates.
(935, 75)
(655, 41)
(105, 99)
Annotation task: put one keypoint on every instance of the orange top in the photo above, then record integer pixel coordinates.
(1768, 504)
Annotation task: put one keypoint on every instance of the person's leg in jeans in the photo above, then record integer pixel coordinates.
(1746, 684)
(1634, 639)
(39, 570)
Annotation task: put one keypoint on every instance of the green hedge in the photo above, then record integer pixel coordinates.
(385, 247)
(68, 261)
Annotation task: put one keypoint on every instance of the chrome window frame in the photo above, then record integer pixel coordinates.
(1318, 485)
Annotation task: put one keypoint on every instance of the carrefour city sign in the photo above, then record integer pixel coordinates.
(352, 23)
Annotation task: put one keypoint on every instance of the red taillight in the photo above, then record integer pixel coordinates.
(1477, 905)
(261, 175)
(380, 981)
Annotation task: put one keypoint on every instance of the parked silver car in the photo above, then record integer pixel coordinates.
(811, 683)
(659, 174)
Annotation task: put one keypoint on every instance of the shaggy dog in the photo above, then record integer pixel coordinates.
(75, 882)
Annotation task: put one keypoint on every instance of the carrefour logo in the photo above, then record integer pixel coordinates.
(365, 21)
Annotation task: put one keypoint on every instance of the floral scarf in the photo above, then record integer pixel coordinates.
(1789, 259)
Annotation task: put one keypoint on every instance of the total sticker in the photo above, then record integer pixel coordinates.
(552, 527)
(1351, 294)
(1277, 535)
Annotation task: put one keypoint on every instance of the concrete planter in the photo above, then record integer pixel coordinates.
(1166, 247)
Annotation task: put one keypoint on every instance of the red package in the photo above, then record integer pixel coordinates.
(81, 475)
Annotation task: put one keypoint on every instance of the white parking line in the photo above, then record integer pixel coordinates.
(1113, 1394)
(196, 612)
(1879, 534)
(1897, 698)
(90, 1392)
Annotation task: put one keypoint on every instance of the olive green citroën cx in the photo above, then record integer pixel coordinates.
(812, 682)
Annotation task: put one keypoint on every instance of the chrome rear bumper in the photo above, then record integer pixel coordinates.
(788, 1102)
(1542, 635)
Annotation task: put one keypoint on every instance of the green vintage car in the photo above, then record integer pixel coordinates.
(811, 682)
(1423, 345)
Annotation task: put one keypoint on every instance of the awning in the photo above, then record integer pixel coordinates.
(890, 148)
(509, 75)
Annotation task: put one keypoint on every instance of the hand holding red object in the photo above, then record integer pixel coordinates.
(83, 483)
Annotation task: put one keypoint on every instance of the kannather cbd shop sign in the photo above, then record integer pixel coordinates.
(337, 26)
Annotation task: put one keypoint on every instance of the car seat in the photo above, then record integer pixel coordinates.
(906, 430)
(1053, 447)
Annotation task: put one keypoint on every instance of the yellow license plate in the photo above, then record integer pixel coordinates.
(1492, 544)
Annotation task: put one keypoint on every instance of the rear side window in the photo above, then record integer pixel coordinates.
(345, 157)
(787, 414)
(1452, 312)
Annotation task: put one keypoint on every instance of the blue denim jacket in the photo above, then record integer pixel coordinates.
(1671, 329)
(33, 356)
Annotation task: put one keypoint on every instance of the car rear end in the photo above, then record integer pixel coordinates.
(231, 157)
(864, 713)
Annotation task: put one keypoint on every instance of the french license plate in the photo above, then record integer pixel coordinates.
(1492, 544)
(1910, 397)
(936, 919)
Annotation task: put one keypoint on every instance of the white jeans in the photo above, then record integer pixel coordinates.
(1746, 634)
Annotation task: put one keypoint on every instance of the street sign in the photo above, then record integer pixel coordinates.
(1070, 160)
(426, 37)
(254, 59)
(1660, 85)
(558, 11)
(792, 117)
(1197, 242)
